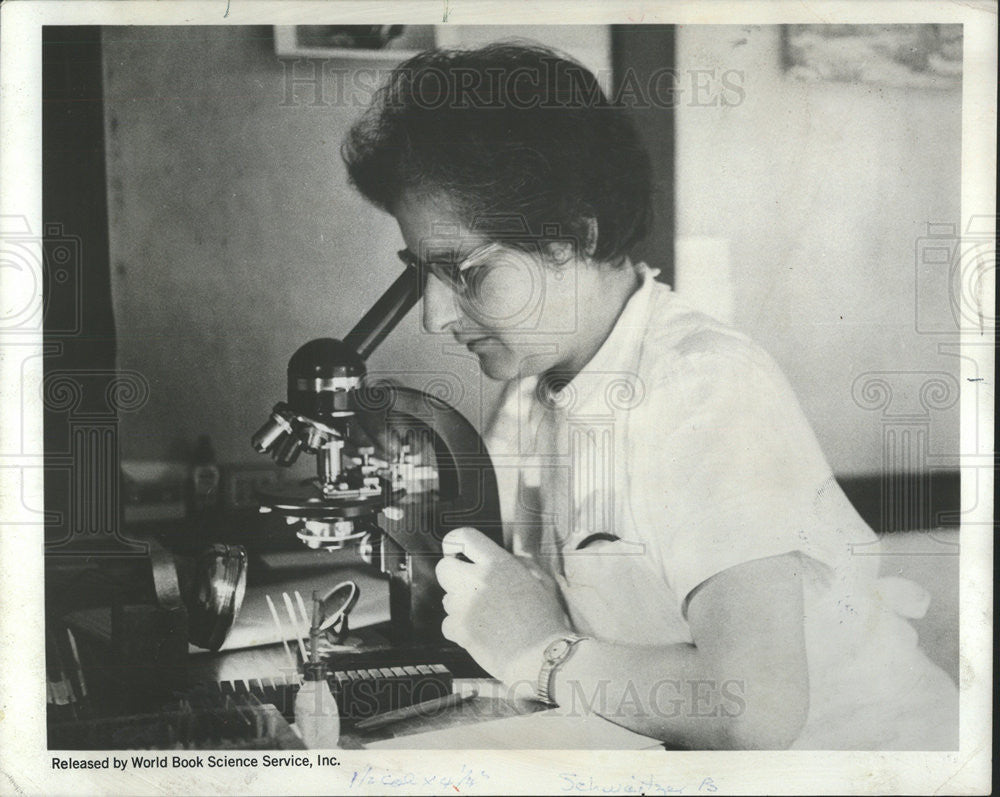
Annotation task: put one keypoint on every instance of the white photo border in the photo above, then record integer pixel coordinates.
(24, 761)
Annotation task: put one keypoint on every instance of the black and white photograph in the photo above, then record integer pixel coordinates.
(497, 398)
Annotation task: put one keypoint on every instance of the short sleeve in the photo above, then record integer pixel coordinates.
(725, 469)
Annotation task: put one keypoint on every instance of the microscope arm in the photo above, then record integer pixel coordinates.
(412, 531)
(467, 487)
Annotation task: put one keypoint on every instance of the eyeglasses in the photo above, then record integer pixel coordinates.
(460, 274)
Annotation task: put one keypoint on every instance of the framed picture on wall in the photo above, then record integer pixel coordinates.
(380, 42)
(899, 56)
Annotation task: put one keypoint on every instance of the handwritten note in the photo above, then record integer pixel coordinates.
(466, 778)
(469, 778)
(571, 782)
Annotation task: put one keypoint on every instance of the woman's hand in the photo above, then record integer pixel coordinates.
(497, 609)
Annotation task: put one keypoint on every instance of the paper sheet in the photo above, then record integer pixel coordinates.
(544, 730)
(255, 626)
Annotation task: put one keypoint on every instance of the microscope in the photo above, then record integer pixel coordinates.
(396, 510)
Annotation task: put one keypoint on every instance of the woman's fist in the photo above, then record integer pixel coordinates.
(497, 610)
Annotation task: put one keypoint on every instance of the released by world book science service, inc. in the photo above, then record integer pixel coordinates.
(221, 761)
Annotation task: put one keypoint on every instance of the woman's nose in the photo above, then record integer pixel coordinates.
(440, 307)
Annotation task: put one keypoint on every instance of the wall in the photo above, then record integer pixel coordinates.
(234, 235)
(820, 193)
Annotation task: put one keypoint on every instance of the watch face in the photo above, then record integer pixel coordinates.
(556, 650)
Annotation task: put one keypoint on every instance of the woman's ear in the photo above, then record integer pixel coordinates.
(562, 251)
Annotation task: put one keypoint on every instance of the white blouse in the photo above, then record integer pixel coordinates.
(679, 451)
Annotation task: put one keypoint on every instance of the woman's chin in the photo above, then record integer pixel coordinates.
(498, 365)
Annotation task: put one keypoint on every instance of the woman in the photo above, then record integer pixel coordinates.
(678, 556)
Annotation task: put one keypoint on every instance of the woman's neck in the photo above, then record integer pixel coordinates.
(606, 290)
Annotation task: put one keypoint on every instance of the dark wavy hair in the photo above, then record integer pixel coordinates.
(509, 130)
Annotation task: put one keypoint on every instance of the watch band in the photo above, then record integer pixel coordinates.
(556, 654)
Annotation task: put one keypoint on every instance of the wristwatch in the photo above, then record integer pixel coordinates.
(555, 655)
